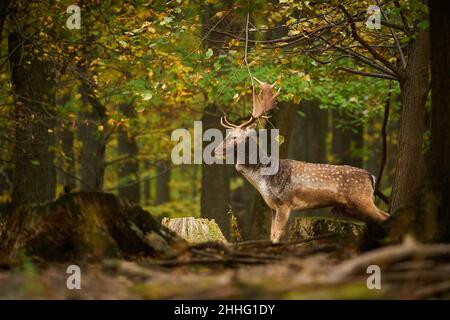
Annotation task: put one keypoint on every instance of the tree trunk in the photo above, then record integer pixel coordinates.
(162, 182)
(309, 135)
(67, 146)
(33, 83)
(346, 141)
(414, 89)
(4, 5)
(93, 129)
(215, 191)
(439, 169)
(92, 155)
(128, 172)
(147, 184)
(215, 183)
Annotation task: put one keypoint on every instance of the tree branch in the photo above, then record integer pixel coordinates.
(384, 139)
(367, 46)
(397, 43)
(368, 74)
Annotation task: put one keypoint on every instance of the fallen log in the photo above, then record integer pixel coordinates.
(83, 225)
(409, 250)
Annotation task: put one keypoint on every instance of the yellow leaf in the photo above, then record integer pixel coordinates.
(306, 77)
(100, 128)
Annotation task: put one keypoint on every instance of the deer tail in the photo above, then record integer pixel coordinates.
(373, 179)
(376, 192)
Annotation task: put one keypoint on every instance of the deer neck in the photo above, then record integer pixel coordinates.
(251, 172)
(248, 169)
(254, 172)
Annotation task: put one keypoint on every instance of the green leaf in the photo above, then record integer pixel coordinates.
(209, 53)
(423, 25)
(147, 95)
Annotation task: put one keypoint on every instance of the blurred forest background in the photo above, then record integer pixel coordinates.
(93, 108)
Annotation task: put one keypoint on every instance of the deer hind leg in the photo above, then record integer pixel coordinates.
(279, 221)
(371, 212)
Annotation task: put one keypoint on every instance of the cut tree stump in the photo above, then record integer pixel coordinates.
(195, 230)
(84, 225)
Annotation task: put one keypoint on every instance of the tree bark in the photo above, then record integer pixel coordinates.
(162, 182)
(439, 169)
(128, 172)
(4, 5)
(414, 90)
(92, 155)
(67, 146)
(215, 191)
(147, 192)
(33, 83)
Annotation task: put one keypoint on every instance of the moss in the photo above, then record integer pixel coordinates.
(195, 230)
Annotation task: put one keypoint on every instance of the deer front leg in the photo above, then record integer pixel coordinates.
(279, 220)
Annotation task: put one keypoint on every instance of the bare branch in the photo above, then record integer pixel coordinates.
(368, 74)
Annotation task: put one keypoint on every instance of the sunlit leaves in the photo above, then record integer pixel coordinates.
(209, 53)
(147, 95)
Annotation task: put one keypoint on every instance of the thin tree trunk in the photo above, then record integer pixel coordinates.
(215, 183)
(162, 182)
(33, 83)
(4, 5)
(215, 191)
(128, 172)
(92, 155)
(346, 141)
(414, 89)
(147, 192)
(94, 129)
(67, 145)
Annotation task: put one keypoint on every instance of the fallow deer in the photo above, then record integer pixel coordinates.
(299, 185)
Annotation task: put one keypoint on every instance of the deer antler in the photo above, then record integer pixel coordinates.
(265, 100)
(262, 103)
(227, 124)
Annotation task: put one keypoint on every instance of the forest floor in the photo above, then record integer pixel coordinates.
(316, 269)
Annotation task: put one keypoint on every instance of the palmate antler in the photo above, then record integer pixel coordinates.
(262, 103)
(265, 100)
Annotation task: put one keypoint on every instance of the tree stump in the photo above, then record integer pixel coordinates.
(84, 225)
(306, 227)
(195, 230)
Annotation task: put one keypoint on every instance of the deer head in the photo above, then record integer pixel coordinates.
(262, 103)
